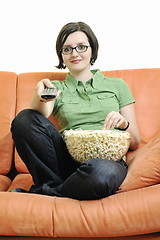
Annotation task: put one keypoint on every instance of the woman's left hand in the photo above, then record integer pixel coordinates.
(115, 120)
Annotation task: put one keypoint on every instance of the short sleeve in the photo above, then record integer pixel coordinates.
(124, 94)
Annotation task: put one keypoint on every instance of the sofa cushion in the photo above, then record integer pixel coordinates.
(130, 213)
(4, 183)
(22, 180)
(144, 169)
(8, 82)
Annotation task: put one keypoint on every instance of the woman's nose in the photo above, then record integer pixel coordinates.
(74, 53)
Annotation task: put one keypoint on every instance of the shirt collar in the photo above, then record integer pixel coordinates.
(72, 83)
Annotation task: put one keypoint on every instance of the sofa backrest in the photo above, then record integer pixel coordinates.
(144, 85)
(8, 81)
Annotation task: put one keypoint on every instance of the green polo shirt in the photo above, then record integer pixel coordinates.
(85, 106)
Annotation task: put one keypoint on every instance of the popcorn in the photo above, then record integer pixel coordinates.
(106, 144)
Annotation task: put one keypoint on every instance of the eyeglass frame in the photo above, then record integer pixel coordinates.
(72, 48)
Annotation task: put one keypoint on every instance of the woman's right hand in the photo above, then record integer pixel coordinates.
(45, 83)
(44, 106)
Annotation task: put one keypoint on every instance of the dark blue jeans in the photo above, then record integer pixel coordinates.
(53, 169)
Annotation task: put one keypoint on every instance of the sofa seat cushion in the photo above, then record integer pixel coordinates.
(5, 182)
(130, 213)
(144, 169)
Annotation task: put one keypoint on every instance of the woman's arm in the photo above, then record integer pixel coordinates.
(39, 104)
(128, 113)
(120, 120)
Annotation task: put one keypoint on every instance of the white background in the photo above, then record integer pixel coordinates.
(128, 32)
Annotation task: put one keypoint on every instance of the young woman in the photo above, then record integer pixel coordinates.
(86, 100)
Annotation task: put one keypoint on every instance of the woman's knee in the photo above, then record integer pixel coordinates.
(22, 117)
(22, 122)
(106, 176)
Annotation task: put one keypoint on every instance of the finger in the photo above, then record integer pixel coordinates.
(110, 119)
(114, 123)
(121, 121)
(122, 124)
(107, 120)
(47, 83)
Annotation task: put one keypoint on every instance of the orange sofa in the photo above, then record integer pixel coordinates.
(132, 213)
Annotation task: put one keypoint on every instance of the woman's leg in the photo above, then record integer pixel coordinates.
(54, 172)
(94, 179)
(42, 149)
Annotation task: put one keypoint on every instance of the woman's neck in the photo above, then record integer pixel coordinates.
(82, 76)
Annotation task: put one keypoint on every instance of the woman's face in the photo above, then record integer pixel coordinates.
(75, 61)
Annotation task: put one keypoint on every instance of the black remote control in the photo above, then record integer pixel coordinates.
(49, 93)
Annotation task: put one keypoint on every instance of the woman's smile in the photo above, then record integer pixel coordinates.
(76, 61)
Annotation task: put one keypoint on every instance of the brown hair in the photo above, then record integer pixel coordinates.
(71, 28)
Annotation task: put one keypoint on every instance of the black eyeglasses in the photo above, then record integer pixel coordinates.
(79, 49)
